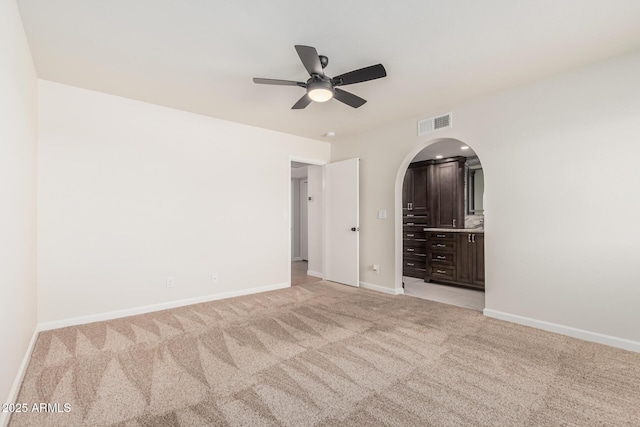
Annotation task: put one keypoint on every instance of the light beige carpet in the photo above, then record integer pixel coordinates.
(328, 355)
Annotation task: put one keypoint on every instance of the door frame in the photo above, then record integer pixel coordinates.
(398, 206)
(308, 161)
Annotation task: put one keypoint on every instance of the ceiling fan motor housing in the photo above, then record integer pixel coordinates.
(318, 89)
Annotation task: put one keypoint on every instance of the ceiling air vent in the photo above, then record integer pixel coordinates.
(434, 123)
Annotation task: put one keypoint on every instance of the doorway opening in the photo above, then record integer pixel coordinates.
(306, 223)
(441, 250)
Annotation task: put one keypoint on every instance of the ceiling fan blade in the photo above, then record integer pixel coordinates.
(278, 82)
(310, 59)
(362, 75)
(348, 98)
(302, 103)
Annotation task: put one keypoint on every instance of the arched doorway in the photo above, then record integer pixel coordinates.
(440, 224)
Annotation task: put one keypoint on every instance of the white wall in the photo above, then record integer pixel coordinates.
(18, 145)
(315, 215)
(130, 193)
(561, 247)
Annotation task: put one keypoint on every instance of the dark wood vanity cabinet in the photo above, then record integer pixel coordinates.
(455, 258)
(415, 216)
(414, 254)
(432, 196)
(441, 256)
(471, 259)
(446, 193)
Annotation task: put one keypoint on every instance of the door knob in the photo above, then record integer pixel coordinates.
(355, 229)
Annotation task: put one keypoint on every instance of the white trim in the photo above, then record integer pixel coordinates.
(17, 382)
(383, 289)
(314, 274)
(565, 330)
(155, 307)
(297, 258)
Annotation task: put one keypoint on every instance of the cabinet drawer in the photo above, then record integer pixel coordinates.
(441, 235)
(415, 236)
(443, 272)
(412, 229)
(414, 272)
(438, 258)
(415, 220)
(442, 245)
(411, 249)
(415, 217)
(414, 263)
(415, 258)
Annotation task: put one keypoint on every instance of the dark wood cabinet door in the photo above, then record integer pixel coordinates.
(420, 205)
(445, 194)
(446, 198)
(465, 254)
(478, 259)
(407, 191)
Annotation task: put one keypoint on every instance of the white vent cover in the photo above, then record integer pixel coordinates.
(434, 123)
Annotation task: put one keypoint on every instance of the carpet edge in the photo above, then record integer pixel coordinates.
(569, 331)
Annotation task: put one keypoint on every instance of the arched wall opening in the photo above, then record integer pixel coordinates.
(402, 170)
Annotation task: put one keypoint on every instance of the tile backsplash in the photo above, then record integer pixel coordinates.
(474, 221)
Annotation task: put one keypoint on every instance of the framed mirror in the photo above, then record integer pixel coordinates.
(474, 187)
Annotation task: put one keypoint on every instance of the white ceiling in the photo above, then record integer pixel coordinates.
(445, 148)
(200, 55)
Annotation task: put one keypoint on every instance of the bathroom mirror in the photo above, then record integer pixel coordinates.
(474, 187)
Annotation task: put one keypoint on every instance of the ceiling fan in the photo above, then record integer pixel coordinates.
(321, 88)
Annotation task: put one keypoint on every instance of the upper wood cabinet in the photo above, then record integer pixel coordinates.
(446, 193)
(414, 190)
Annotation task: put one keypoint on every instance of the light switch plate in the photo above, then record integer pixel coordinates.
(382, 214)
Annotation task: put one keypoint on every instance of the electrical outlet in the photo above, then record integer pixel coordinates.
(171, 282)
(214, 277)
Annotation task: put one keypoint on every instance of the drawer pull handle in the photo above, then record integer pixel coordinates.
(410, 250)
(473, 239)
(441, 235)
(411, 223)
(410, 235)
(469, 238)
(441, 257)
(441, 271)
(441, 245)
(410, 216)
(410, 264)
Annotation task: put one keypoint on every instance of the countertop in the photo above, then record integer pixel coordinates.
(456, 230)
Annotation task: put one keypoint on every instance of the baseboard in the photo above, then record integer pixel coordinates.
(314, 274)
(383, 289)
(17, 382)
(596, 337)
(155, 307)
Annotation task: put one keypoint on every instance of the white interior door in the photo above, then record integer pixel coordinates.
(342, 225)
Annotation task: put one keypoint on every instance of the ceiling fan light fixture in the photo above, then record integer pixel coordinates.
(322, 88)
(320, 91)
